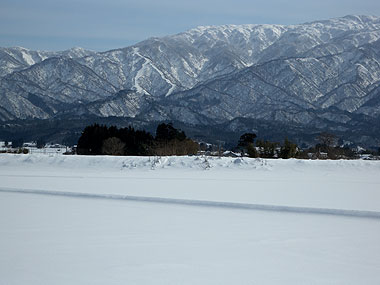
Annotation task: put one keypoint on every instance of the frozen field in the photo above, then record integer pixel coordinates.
(187, 220)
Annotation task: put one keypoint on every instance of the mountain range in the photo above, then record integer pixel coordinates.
(318, 76)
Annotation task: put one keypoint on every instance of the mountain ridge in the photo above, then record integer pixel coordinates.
(210, 74)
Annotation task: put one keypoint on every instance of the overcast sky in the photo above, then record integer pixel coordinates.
(106, 24)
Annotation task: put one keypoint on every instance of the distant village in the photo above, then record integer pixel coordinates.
(32, 147)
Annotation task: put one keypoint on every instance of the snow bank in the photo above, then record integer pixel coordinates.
(115, 163)
(130, 162)
(346, 185)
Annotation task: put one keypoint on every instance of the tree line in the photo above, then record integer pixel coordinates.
(327, 147)
(265, 148)
(102, 140)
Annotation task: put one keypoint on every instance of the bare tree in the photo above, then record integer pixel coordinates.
(327, 139)
(113, 146)
(327, 142)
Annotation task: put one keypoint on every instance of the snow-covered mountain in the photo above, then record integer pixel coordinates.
(19, 58)
(305, 74)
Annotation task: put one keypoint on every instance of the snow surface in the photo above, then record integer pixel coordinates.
(188, 220)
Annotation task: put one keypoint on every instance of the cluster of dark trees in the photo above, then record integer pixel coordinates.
(102, 140)
(267, 149)
(327, 147)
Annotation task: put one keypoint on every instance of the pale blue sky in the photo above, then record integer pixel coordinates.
(106, 24)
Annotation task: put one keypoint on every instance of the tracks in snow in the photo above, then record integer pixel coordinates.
(202, 203)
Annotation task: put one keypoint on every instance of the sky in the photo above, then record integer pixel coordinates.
(107, 24)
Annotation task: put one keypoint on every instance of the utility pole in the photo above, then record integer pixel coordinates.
(220, 143)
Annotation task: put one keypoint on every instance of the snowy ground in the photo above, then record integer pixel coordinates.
(188, 220)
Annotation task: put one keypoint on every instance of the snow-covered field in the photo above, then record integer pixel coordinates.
(188, 220)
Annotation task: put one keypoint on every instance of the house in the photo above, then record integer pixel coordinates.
(231, 154)
(29, 144)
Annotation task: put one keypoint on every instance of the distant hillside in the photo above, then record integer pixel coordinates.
(317, 76)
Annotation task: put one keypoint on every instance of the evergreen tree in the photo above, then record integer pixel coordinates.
(288, 150)
(166, 132)
(267, 148)
(246, 144)
(246, 139)
(251, 150)
(91, 140)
